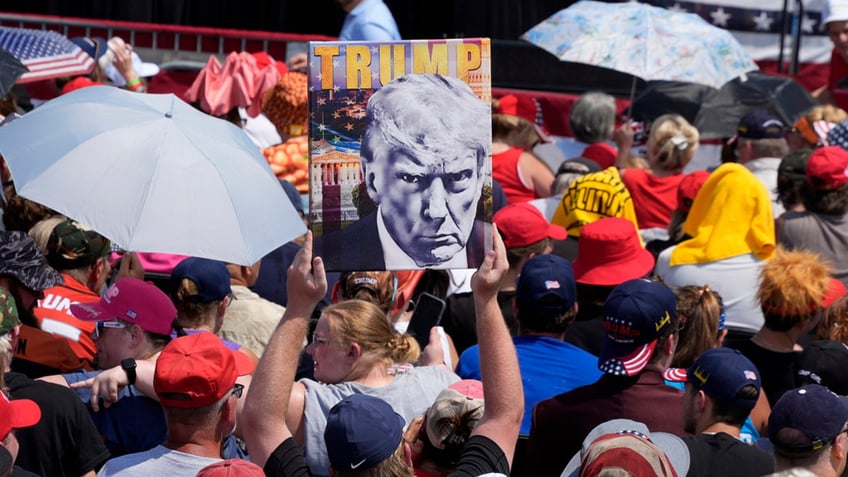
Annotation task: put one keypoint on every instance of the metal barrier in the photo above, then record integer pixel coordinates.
(165, 38)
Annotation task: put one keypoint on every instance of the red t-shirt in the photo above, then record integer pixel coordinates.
(837, 82)
(505, 171)
(654, 198)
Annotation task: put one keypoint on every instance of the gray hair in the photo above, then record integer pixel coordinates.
(769, 147)
(425, 112)
(592, 117)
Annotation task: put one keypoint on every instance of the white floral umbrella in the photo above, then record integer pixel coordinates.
(648, 42)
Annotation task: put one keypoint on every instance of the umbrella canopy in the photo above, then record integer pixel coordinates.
(151, 173)
(648, 42)
(47, 54)
(716, 113)
(10, 70)
(239, 82)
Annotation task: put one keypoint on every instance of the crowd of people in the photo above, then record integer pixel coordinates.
(630, 318)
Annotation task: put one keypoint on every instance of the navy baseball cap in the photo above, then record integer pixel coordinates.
(636, 313)
(822, 362)
(94, 46)
(546, 285)
(721, 373)
(361, 432)
(760, 124)
(210, 276)
(805, 420)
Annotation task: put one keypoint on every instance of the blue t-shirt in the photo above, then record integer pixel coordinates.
(371, 20)
(134, 423)
(548, 367)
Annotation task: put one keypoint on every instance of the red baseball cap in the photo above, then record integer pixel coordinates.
(79, 82)
(522, 224)
(197, 370)
(526, 108)
(827, 168)
(232, 468)
(263, 59)
(17, 414)
(602, 153)
(835, 290)
(134, 301)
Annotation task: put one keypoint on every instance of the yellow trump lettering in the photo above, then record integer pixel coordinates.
(468, 57)
(427, 60)
(392, 62)
(664, 321)
(358, 67)
(327, 53)
(702, 377)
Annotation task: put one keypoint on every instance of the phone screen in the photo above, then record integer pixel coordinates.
(427, 314)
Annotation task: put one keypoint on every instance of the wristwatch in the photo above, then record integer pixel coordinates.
(128, 365)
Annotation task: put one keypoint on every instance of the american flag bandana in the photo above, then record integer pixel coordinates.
(47, 54)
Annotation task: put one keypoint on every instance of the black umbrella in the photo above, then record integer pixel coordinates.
(716, 113)
(10, 70)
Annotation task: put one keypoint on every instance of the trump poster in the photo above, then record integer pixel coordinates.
(400, 140)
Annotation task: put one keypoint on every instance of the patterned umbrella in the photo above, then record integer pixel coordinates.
(647, 42)
(47, 54)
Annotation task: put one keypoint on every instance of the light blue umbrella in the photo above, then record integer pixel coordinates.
(648, 42)
(151, 173)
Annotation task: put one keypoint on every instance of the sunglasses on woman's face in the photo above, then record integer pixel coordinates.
(107, 324)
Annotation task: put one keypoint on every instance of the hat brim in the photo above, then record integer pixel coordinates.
(624, 360)
(675, 375)
(673, 446)
(634, 265)
(94, 311)
(244, 365)
(557, 232)
(46, 277)
(24, 413)
(146, 70)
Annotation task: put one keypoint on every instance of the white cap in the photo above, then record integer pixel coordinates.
(834, 11)
(142, 69)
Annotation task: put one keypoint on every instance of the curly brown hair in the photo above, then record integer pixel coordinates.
(834, 323)
(21, 214)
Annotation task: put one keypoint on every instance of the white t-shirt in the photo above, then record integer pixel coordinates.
(736, 279)
(157, 461)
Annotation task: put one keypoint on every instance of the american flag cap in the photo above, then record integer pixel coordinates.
(616, 360)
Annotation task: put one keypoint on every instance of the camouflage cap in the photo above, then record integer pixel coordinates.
(8, 312)
(72, 245)
(21, 258)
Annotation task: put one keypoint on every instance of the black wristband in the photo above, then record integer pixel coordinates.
(129, 365)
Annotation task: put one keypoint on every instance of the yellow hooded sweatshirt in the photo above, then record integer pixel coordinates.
(731, 216)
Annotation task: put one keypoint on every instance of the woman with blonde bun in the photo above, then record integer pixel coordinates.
(671, 145)
(355, 348)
